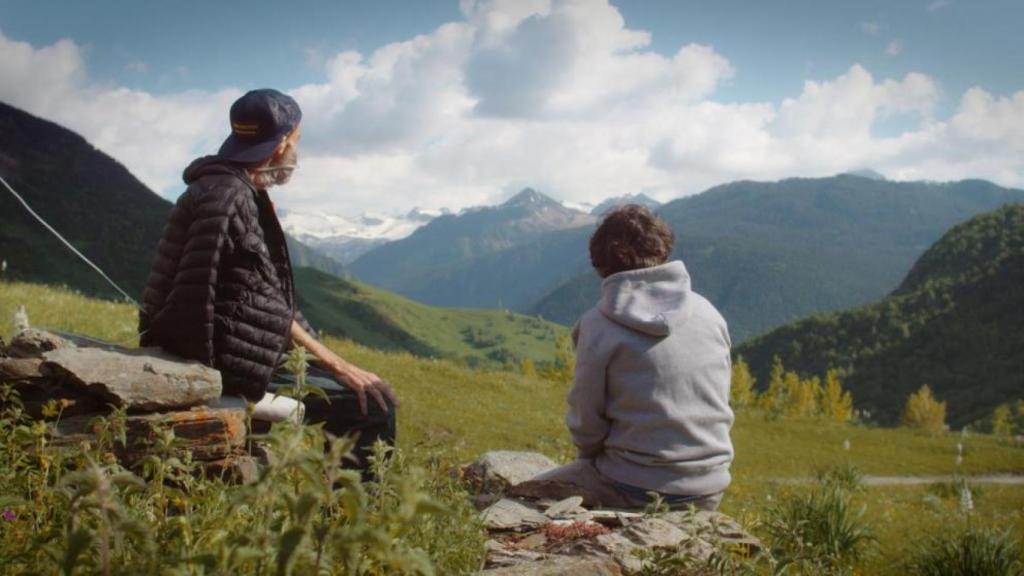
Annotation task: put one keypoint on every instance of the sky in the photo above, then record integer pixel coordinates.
(450, 104)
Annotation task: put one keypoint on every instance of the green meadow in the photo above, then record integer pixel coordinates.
(463, 412)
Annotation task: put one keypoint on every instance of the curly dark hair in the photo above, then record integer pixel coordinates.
(630, 237)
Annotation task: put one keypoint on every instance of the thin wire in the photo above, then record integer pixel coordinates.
(68, 244)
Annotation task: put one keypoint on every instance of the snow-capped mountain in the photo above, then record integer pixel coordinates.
(344, 238)
(642, 199)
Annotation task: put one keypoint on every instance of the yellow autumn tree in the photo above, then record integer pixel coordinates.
(743, 393)
(565, 361)
(773, 400)
(924, 412)
(528, 368)
(836, 403)
(1002, 421)
(801, 395)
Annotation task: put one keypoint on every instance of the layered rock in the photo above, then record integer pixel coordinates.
(534, 536)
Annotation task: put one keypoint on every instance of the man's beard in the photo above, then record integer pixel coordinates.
(278, 172)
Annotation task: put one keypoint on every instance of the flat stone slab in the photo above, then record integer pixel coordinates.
(564, 508)
(507, 514)
(560, 566)
(147, 379)
(15, 369)
(503, 469)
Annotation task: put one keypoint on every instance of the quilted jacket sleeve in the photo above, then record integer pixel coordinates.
(180, 294)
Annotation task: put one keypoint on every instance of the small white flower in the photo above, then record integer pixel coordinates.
(966, 500)
(960, 448)
(846, 444)
(21, 319)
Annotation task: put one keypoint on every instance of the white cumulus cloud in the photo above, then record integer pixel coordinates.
(561, 95)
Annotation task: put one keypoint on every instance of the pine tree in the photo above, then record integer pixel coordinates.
(836, 404)
(743, 394)
(924, 412)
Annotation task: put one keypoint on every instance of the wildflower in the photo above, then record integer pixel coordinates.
(21, 319)
(9, 515)
(960, 448)
(966, 500)
(846, 444)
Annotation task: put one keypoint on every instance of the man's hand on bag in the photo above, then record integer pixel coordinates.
(364, 382)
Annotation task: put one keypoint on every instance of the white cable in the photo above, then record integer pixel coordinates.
(68, 244)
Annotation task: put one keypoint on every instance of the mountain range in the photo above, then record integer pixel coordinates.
(428, 265)
(955, 323)
(765, 253)
(345, 239)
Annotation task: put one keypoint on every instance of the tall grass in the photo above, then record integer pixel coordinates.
(79, 511)
(969, 551)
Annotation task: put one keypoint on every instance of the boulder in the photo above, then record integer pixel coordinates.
(209, 434)
(147, 379)
(32, 343)
(500, 470)
(17, 369)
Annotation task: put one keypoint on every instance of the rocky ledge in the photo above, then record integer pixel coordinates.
(545, 537)
(59, 380)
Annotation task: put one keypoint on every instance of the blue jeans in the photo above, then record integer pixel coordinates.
(673, 501)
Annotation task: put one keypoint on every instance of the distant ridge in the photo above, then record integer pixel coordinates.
(956, 323)
(422, 265)
(768, 253)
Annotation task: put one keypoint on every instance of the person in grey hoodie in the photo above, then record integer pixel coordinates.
(649, 406)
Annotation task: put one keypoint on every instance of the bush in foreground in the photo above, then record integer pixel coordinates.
(78, 511)
(969, 552)
(818, 531)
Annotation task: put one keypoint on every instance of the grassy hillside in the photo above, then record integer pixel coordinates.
(768, 253)
(956, 323)
(89, 197)
(462, 412)
(341, 308)
(383, 320)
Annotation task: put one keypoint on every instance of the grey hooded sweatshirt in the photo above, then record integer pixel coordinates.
(650, 399)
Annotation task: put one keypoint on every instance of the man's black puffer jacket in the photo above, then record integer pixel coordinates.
(220, 290)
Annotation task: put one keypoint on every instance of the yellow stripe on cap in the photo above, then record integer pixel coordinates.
(245, 129)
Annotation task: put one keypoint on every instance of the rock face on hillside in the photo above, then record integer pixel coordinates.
(158, 393)
(541, 537)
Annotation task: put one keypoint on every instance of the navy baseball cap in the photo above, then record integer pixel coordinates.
(259, 121)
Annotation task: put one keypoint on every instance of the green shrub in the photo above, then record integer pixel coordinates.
(841, 476)
(818, 531)
(969, 552)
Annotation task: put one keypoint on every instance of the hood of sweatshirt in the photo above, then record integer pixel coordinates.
(650, 300)
(207, 165)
